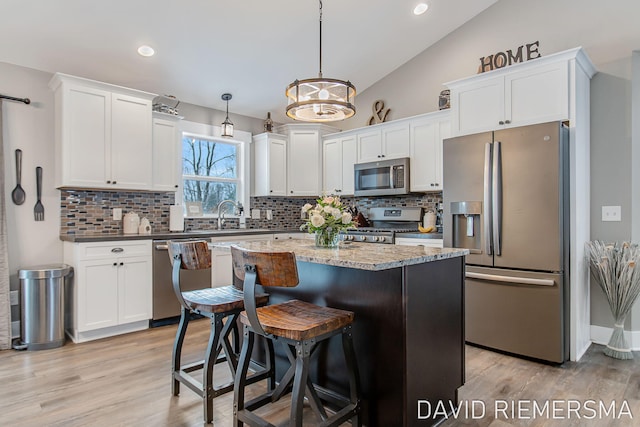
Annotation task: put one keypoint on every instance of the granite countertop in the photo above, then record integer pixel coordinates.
(102, 237)
(362, 256)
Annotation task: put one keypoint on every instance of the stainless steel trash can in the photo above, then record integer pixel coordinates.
(42, 305)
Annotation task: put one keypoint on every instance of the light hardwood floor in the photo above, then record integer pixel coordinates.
(125, 381)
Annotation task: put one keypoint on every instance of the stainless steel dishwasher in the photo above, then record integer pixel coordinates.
(165, 304)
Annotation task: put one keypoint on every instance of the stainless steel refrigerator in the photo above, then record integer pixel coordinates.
(505, 198)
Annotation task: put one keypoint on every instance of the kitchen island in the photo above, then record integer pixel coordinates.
(409, 318)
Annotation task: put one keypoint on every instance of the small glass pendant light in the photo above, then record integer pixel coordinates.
(227, 126)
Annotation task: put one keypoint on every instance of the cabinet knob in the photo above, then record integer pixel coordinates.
(176, 186)
(115, 264)
(507, 121)
(291, 191)
(108, 182)
(500, 122)
(122, 263)
(270, 191)
(381, 155)
(114, 182)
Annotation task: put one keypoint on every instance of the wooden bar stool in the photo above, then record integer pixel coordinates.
(295, 324)
(222, 305)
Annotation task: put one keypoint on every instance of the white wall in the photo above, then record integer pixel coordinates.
(30, 128)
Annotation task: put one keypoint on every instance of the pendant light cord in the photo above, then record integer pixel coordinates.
(320, 74)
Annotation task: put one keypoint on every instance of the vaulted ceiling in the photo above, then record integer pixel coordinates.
(250, 48)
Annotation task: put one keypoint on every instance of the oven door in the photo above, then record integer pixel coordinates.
(165, 302)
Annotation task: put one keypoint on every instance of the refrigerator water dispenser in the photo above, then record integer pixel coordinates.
(466, 221)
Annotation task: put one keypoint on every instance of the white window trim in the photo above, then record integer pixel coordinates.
(242, 139)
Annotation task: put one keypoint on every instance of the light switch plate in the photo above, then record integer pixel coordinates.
(255, 213)
(14, 298)
(611, 213)
(117, 214)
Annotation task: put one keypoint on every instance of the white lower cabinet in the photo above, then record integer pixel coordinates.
(417, 241)
(221, 267)
(111, 292)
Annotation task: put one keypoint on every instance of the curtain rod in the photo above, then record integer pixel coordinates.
(11, 98)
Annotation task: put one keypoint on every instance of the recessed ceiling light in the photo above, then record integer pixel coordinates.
(420, 9)
(145, 50)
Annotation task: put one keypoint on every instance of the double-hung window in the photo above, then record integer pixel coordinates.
(211, 171)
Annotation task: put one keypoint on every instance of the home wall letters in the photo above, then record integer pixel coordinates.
(502, 59)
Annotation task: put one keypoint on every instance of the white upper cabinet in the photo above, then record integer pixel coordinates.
(270, 164)
(304, 170)
(103, 135)
(339, 154)
(427, 133)
(385, 141)
(131, 142)
(304, 158)
(527, 93)
(166, 153)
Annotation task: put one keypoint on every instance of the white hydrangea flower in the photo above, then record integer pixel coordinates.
(336, 213)
(346, 218)
(328, 209)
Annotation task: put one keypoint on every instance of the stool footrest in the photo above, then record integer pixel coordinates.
(253, 420)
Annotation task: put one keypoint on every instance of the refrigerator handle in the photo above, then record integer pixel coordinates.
(510, 279)
(486, 202)
(496, 183)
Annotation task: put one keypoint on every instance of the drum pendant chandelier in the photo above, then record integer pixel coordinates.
(319, 99)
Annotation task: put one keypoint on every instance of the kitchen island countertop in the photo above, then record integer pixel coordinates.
(362, 256)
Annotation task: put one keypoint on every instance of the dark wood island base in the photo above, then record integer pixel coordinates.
(408, 331)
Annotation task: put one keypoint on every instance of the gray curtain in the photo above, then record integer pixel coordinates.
(5, 302)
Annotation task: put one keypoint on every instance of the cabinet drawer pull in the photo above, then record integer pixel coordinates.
(117, 250)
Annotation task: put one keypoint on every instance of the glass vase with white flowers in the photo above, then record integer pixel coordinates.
(326, 219)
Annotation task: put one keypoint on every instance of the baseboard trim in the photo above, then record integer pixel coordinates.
(601, 335)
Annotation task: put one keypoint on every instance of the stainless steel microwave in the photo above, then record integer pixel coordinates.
(382, 178)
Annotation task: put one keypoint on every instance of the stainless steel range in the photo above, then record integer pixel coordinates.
(387, 222)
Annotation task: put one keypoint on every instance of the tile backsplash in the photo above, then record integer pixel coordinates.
(90, 211)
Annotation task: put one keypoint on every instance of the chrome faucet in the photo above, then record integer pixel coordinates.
(237, 206)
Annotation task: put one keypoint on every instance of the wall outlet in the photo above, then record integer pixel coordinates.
(117, 214)
(255, 213)
(269, 214)
(611, 213)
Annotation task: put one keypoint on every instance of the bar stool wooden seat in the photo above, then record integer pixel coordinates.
(222, 306)
(298, 326)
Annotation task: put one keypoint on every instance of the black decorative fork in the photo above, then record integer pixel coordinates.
(38, 209)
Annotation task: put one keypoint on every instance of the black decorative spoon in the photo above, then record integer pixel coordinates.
(18, 195)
